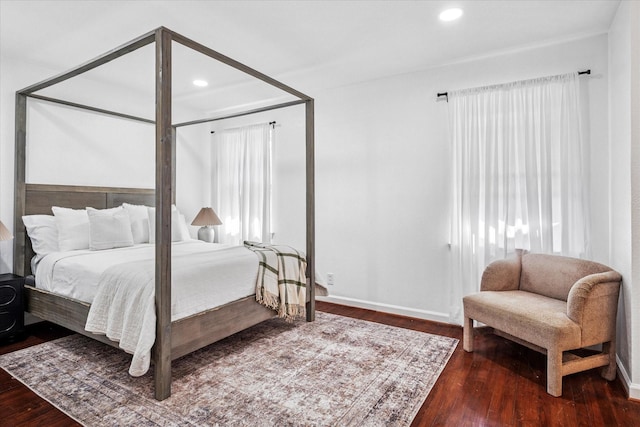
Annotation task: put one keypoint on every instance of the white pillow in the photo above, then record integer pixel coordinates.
(73, 228)
(139, 218)
(184, 228)
(109, 228)
(43, 232)
(176, 229)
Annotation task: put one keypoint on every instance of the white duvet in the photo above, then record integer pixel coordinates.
(120, 285)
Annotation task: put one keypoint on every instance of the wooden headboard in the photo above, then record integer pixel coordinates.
(39, 199)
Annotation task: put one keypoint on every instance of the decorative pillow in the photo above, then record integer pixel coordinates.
(73, 228)
(176, 230)
(109, 228)
(43, 232)
(139, 222)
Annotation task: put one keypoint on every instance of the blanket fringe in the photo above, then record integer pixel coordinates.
(289, 312)
(269, 300)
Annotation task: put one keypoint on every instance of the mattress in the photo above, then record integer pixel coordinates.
(76, 274)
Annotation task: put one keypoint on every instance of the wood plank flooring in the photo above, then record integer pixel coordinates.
(500, 384)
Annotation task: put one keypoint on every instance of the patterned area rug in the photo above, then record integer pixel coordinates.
(336, 371)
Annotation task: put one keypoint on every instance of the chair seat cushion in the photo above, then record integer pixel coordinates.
(535, 318)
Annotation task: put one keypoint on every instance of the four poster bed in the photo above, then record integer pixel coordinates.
(173, 339)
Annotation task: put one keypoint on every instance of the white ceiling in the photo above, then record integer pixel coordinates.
(308, 45)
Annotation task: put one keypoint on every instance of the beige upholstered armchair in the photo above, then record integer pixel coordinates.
(551, 304)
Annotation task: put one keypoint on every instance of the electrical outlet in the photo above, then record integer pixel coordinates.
(330, 279)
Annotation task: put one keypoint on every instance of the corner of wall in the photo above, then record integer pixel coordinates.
(624, 183)
(635, 193)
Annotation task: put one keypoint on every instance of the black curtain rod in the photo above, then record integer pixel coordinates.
(446, 94)
(270, 123)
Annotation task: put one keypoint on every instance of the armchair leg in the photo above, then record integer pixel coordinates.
(554, 372)
(467, 334)
(608, 372)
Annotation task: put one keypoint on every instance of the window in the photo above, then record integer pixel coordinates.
(242, 183)
(519, 177)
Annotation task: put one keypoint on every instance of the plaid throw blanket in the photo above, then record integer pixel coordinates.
(281, 284)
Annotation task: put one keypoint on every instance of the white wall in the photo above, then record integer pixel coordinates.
(634, 30)
(624, 81)
(382, 196)
(193, 169)
(15, 75)
(74, 147)
(383, 174)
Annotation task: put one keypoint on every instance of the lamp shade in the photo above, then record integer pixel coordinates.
(5, 234)
(206, 216)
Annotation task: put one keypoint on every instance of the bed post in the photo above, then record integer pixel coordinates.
(174, 144)
(19, 232)
(311, 255)
(164, 190)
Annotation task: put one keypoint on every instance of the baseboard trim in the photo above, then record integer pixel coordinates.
(388, 308)
(633, 390)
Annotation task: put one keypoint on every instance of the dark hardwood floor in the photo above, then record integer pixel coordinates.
(500, 384)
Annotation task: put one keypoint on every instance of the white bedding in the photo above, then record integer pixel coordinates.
(75, 274)
(120, 285)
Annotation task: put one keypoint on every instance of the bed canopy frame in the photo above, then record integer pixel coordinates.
(164, 194)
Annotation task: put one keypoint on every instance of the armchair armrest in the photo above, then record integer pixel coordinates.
(593, 304)
(503, 274)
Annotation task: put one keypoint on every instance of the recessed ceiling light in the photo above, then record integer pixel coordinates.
(450, 14)
(200, 83)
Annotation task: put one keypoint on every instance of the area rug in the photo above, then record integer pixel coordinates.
(336, 371)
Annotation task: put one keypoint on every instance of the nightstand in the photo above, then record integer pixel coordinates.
(11, 307)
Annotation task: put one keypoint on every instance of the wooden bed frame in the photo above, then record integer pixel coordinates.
(173, 339)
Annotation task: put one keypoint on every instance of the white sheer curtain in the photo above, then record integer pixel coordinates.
(241, 187)
(519, 176)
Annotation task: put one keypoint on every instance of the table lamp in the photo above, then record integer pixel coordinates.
(206, 218)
